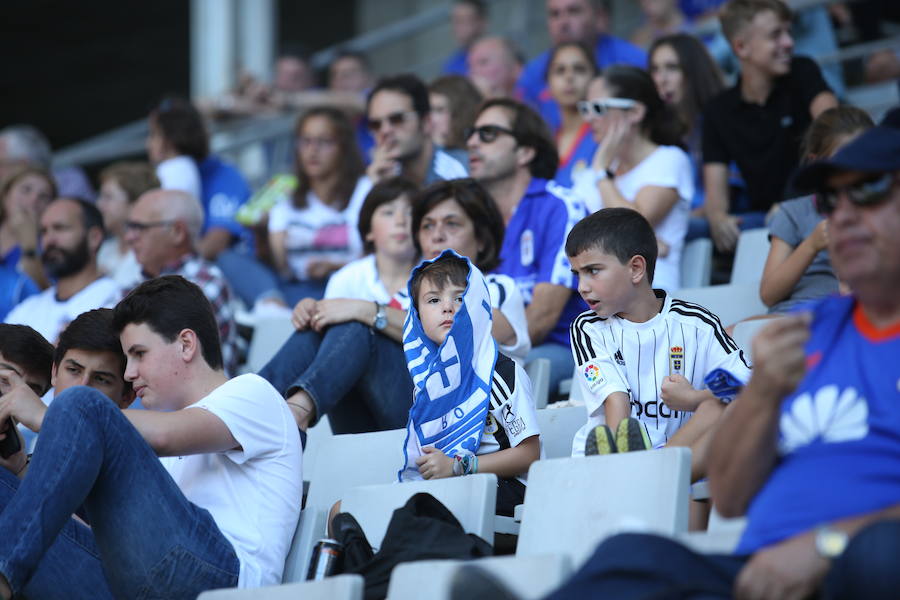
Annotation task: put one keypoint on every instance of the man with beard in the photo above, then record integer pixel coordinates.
(71, 233)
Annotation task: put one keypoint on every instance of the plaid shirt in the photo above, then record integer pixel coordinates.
(211, 280)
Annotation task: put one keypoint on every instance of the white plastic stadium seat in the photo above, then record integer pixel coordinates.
(750, 256)
(696, 263)
(558, 426)
(573, 504)
(269, 335)
(539, 373)
(471, 499)
(745, 331)
(342, 462)
(339, 587)
(731, 303)
(528, 577)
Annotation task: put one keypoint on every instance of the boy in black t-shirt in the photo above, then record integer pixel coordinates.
(758, 123)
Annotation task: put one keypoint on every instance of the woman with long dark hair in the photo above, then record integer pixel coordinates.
(639, 163)
(312, 233)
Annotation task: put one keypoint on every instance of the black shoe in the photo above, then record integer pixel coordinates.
(600, 440)
(631, 436)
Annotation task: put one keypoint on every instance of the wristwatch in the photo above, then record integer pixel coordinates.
(604, 174)
(830, 542)
(380, 320)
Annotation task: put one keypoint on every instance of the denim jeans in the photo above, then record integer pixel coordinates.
(641, 566)
(146, 539)
(354, 375)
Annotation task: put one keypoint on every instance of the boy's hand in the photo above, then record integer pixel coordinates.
(678, 393)
(434, 464)
(20, 401)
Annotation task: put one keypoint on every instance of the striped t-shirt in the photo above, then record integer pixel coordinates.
(617, 355)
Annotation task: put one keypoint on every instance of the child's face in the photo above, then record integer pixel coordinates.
(766, 43)
(605, 284)
(390, 230)
(437, 307)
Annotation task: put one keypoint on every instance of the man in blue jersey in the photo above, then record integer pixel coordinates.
(810, 450)
(585, 21)
(513, 155)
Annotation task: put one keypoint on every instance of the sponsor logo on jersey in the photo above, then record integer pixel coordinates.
(676, 360)
(653, 410)
(526, 247)
(830, 416)
(592, 373)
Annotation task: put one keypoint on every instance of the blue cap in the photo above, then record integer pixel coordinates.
(876, 150)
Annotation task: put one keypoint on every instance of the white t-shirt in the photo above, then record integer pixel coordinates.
(180, 173)
(359, 280)
(124, 269)
(616, 355)
(318, 231)
(667, 166)
(49, 316)
(253, 493)
(511, 417)
(507, 298)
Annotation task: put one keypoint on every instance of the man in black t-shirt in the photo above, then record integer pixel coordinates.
(759, 122)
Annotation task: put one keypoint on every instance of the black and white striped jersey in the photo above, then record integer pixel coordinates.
(511, 415)
(616, 355)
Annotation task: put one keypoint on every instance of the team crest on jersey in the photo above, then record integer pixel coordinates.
(526, 247)
(491, 427)
(676, 360)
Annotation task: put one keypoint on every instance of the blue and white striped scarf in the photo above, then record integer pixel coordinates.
(451, 383)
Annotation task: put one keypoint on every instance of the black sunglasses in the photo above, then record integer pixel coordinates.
(865, 193)
(488, 133)
(395, 119)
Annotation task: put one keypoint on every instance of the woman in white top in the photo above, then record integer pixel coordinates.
(639, 163)
(313, 233)
(176, 144)
(460, 214)
(346, 358)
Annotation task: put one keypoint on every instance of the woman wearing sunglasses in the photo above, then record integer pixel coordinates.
(569, 72)
(639, 163)
(798, 268)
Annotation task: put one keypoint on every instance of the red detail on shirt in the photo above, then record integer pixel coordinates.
(584, 130)
(813, 359)
(870, 331)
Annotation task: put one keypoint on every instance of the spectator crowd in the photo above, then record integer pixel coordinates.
(432, 240)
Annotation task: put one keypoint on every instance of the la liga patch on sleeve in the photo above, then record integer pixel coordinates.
(593, 376)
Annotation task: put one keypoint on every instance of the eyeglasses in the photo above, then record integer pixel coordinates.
(142, 227)
(488, 133)
(865, 193)
(395, 119)
(597, 108)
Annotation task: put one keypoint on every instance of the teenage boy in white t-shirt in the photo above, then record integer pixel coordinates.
(201, 491)
(643, 358)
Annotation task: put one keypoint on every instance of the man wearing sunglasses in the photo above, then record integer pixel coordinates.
(163, 228)
(512, 154)
(399, 118)
(71, 233)
(810, 449)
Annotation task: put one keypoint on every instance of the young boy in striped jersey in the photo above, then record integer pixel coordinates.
(642, 357)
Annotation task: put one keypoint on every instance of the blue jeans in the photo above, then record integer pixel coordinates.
(249, 278)
(354, 375)
(641, 566)
(146, 539)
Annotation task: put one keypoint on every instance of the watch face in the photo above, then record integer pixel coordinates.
(831, 543)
